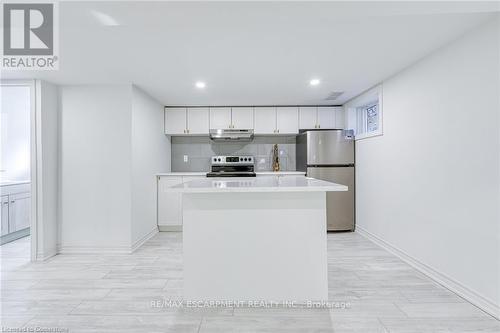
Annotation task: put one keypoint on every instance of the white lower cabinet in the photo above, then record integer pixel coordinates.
(170, 204)
(19, 211)
(5, 214)
(15, 212)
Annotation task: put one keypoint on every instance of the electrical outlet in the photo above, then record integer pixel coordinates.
(186, 159)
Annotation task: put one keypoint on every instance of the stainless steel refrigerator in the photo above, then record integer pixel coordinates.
(329, 155)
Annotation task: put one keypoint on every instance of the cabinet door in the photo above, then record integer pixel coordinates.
(197, 120)
(265, 120)
(308, 117)
(339, 117)
(4, 213)
(326, 117)
(19, 211)
(169, 204)
(186, 179)
(287, 119)
(242, 118)
(175, 121)
(220, 118)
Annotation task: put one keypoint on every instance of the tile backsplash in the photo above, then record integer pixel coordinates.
(200, 149)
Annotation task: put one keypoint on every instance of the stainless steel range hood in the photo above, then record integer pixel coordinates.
(231, 135)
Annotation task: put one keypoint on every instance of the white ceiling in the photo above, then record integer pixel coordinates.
(256, 53)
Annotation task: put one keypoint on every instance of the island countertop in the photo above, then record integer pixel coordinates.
(257, 184)
(258, 173)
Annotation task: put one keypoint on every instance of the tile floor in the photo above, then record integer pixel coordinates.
(374, 292)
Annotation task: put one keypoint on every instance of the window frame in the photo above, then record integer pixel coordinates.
(357, 113)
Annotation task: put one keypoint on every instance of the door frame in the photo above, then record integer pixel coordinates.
(34, 143)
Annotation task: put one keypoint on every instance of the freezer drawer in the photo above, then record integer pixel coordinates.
(339, 205)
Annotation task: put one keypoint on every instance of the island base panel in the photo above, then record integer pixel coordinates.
(255, 246)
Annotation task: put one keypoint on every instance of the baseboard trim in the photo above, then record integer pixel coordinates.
(144, 239)
(170, 227)
(65, 249)
(454, 286)
(42, 256)
(93, 250)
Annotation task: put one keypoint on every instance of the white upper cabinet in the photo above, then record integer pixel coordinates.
(179, 121)
(287, 120)
(220, 118)
(242, 117)
(175, 121)
(326, 117)
(322, 117)
(308, 117)
(265, 120)
(197, 121)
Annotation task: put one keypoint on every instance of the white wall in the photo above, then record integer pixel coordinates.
(112, 145)
(429, 187)
(47, 129)
(95, 168)
(150, 155)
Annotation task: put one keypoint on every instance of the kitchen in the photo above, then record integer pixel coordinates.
(279, 163)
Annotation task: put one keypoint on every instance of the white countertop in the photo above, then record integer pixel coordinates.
(259, 173)
(181, 174)
(257, 184)
(280, 173)
(13, 182)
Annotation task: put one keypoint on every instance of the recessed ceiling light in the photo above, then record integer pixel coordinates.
(200, 84)
(314, 82)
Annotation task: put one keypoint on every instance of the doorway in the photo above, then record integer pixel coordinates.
(17, 142)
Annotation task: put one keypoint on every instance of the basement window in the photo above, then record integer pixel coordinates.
(365, 114)
(367, 118)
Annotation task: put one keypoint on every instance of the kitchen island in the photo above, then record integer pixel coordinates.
(261, 238)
